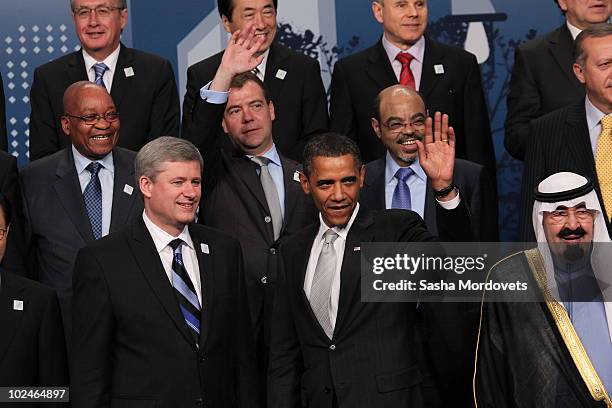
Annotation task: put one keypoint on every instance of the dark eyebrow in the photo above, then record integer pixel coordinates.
(418, 115)
(393, 118)
(350, 178)
(323, 182)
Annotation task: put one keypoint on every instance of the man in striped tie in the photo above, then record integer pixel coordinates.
(161, 313)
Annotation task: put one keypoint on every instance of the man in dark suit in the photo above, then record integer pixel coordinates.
(142, 85)
(447, 77)
(3, 132)
(542, 76)
(69, 200)
(398, 121)
(328, 348)
(574, 138)
(161, 318)
(32, 347)
(234, 184)
(294, 80)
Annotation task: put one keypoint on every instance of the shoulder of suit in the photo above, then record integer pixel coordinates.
(125, 153)
(147, 58)
(295, 56)
(569, 112)
(467, 167)
(541, 42)
(359, 57)
(394, 216)
(209, 235)
(6, 160)
(57, 64)
(36, 289)
(44, 167)
(449, 50)
(207, 64)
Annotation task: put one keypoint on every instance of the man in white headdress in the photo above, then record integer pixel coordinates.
(555, 352)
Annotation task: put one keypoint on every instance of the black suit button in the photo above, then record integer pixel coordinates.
(326, 390)
(199, 402)
(202, 358)
(264, 280)
(332, 347)
(273, 251)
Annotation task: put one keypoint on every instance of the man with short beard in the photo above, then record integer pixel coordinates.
(558, 352)
(399, 120)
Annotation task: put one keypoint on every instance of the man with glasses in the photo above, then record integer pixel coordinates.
(554, 348)
(80, 193)
(142, 85)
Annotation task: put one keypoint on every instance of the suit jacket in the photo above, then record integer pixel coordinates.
(3, 132)
(233, 201)
(471, 179)
(371, 360)
(15, 260)
(57, 225)
(131, 345)
(32, 348)
(147, 100)
(542, 81)
(357, 79)
(559, 142)
(300, 101)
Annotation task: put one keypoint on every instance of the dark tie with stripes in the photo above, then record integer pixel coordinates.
(185, 291)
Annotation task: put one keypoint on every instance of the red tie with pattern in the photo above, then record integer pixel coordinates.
(406, 77)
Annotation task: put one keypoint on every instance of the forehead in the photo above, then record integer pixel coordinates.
(400, 104)
(240, 5)
(188, 169)
(598, 47)
(92, 98)
(95, 3)
(249, 91)
(333, 167)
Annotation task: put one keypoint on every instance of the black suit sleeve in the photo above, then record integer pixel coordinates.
(3, 133)
(524, 104)
(52, 360)
(43, 135)
(190, 101)
(533, 172)
(93, 327)
(15, 257)
(165, 112)
(454, 225)
(341, 113)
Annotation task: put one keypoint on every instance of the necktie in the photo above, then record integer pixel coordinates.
(320, 291)
(401, 194)
(406, 77)
(100, 68)
(271, 194)
(603, 162)
(93, 199)
(257, 72)
(185, 291)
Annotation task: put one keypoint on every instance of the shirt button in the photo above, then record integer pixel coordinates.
(268, 219)
(202, 358)
(264, 280)
(332, 347)
(273, 251)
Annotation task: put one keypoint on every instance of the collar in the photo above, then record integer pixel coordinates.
(161, 238)
(417, 50)
(574, 31)
(262, 67)
(593, 115)
(391, 167)
(110, 61)
(80, 161)
(342, 232)
(271, 154)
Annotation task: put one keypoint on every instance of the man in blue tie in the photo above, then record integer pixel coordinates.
(397, 180)
(161, 316)
(78, 194)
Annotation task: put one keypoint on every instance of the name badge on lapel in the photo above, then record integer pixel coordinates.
(439, 69)
(296, 176)
(127, 189)
(281, 74)
(356, 249)
(204, 248)
(17, 304)
(129, 72)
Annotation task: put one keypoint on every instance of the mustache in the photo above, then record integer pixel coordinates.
(403, 138)
(566, 232)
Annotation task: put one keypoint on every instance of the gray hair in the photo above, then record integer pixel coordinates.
(122, 4)
(329, 145)
(150, 158)
(593, 31)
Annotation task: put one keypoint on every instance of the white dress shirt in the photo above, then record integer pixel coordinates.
(106, 176)
(593, 117)
(315, 251)
(162, 240)
(416, 65)
(574, 31)
(110, 62)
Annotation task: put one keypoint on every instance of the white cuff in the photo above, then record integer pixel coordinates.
(450, 204)
(214, 97)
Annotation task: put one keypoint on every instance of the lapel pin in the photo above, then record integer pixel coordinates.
(296, 176)
(127, 189)
(129, 71)
(17, 304)
(439, 69)
(204, 248)
(356, 249)
(281, 74)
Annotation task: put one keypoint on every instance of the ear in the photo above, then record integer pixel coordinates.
(65, 125)
(124, 18)
(578, 71)
(376, 127)
(271, 109)
(145, 184)
(362, 173)
(377, 10)
(223, 125)
(304, 183)
(562, 5)
(226, 24)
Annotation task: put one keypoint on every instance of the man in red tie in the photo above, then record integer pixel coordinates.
(447, 77)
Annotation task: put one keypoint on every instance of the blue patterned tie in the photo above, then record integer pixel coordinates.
(185, 291)
(93, 199)
(100, 68)
(401, 194)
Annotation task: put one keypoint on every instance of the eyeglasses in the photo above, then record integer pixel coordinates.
(94, 118)
(561, 216)
(3, 232)
(398, 127)
(101, 11)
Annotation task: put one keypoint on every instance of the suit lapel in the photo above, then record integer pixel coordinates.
(10, 319)
(208, 264)
(293, 190)
(122, 201)
(76, 68)
(379, 68)
(276, 58)
(429, 213)
(429, 79)
(153, 270)
(375, 182)
(69, 193)
(121, 82)
(350, 273)
(561, 49)
(578, 139)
